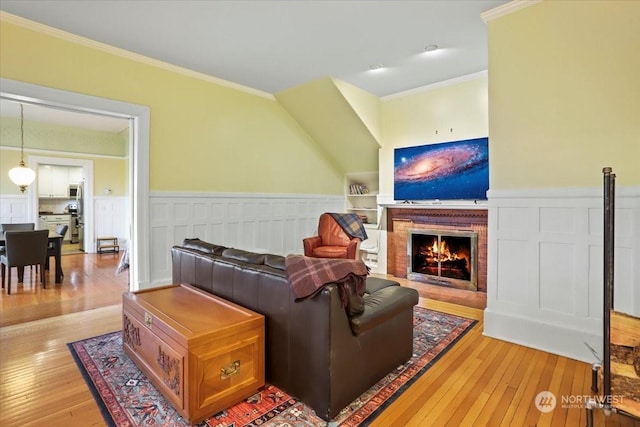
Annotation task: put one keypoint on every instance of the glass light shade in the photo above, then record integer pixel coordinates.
(22, 176)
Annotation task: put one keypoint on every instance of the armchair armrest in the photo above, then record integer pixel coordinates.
(352, 249)
(310, 243)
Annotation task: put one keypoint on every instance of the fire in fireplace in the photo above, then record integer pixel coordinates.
(443, 257)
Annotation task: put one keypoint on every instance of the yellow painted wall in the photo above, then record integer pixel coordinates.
(364, 104)
(444, 113)
(564, 94)
(203, 136)
(112, 174)
(323, 111)
(51, 137)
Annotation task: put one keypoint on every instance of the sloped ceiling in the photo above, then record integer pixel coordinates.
(343, 119)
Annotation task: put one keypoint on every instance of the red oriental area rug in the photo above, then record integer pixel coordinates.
(127, 398)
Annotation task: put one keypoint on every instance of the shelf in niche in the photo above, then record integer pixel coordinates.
(361, 191)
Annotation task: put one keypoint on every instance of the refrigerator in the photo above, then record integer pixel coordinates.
(80, 214)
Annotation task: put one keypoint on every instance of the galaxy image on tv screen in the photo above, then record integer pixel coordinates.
(457, 170)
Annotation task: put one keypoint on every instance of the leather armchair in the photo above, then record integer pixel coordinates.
(331, 242)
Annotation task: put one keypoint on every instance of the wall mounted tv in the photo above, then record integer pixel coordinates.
(457, 170)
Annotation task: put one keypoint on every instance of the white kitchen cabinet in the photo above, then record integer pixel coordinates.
(75, 174)
(53, 181)
(54, 221)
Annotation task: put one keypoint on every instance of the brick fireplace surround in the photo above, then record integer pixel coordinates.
(401, 220)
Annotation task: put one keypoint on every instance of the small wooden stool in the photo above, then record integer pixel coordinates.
(107, 244)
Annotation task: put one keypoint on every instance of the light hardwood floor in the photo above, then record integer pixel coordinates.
(480, 382)
(90, 281)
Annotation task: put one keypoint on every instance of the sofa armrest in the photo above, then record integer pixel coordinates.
(310, 243)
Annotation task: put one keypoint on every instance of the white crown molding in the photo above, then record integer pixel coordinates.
(73, 38)
(456, 80)
(64, 153)
(506, 9)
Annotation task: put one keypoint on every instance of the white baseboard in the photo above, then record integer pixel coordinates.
(552, 338)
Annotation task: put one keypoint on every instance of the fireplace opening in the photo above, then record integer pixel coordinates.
(443, 257)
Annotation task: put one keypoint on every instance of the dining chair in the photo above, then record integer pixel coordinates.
(51, 248)
(23, 226)
(18, 226)
(24, 248)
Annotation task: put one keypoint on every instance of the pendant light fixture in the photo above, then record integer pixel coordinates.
(21, 175)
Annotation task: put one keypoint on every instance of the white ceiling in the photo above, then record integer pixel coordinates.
(275, 45)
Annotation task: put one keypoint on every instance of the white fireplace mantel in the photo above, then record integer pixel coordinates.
(448, 204)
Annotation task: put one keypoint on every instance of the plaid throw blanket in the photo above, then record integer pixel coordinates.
(307, 275)
(351, 224)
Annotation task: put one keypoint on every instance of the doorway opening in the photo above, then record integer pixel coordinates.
(138, 116)
(88, 208)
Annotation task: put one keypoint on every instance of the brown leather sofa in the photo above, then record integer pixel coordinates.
(331, 242)
(314, 351)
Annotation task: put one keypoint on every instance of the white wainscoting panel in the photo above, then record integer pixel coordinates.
(112, 218)
(274, 223)
(545, 272)
(14, 209)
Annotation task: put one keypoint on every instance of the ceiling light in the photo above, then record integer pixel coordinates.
(21, 175)
(374, 67)
(430, 47)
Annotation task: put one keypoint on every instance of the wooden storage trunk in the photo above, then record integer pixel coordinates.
(202, 352)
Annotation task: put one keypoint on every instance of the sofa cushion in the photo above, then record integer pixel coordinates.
(203, 246)
(274, 261)
(374, 284)
(244, 256)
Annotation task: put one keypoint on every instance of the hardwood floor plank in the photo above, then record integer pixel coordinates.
(506, 409)
(502, 392)
(472, 378)
(439, 386)
(485, 385)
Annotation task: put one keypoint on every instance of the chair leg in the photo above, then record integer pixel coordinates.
(2, 267)
(43, 277)
(9, 283)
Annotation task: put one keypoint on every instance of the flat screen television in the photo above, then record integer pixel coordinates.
(457, 170)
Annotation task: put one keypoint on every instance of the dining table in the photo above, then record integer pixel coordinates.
(56, 241)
